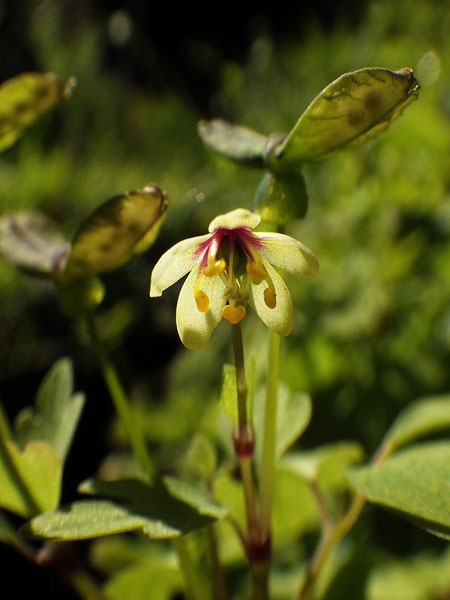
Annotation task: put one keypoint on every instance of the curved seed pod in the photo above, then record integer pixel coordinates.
(120, 228)
(348, 112)
(24, 98)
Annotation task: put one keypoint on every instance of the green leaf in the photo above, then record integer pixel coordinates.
(238, 143)
(31, 241)
(57, 411)
(194, 497)
(415, 482)
(325, 465)
(294, 414)
(228, 393)
(145, 580)
(349, 111)
(421, 418)
(23, 99)
(30, 480)
(201, 456)
(419, 577)
(294, 508)
(117, 230)
(162, 510)
(281, 197)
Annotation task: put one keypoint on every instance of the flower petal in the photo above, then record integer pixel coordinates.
(287, 253)
(195, 327)
(281, 318)
(173, 264)
(241, 217)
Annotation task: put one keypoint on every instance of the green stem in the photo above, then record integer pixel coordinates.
(132, 426)
(196, 589)
(260, 582)
(245, 464)
(333, 534)
(256, 542)
(219, 577)
(329, 539)
(269, 433)
(241, 385)
(244, 440)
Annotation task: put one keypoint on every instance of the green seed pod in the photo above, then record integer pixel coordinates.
(79, 298)
(281, 197)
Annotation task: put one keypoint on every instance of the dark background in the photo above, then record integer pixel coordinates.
(180, 49)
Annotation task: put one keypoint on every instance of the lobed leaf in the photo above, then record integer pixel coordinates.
(415, 482)
(23, 99)
(30, 480)
(325, 465)
(161, 510)
(117, 230)
(293, 416)
(201, 456)
(349, 111)
(228, 393)
(57, 411)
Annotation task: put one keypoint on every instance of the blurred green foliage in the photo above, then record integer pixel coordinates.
(371, 334)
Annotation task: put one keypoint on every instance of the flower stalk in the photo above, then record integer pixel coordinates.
(243, 439)
(132, 427)
(267, 479)
(256, 542)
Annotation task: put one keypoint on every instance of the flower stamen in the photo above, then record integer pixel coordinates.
(233, 314)
(257, 272)
(270, 297)
(214, 267)
(201, 298)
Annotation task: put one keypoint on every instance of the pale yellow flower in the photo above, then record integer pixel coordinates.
(228, 268)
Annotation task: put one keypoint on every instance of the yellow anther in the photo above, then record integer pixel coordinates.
(233, 314)
(257, 272)
(270, 297)
(202, 300)
(214, 268)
